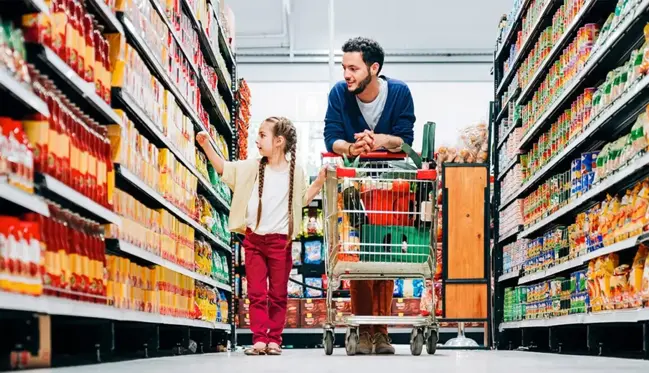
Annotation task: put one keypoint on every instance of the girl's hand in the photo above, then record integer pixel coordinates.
(203, 139)
(322, 176)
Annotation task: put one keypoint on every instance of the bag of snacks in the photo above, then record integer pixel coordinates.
(635, 277)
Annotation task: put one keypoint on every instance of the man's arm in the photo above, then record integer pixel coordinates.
(404, 127)
(334, 132)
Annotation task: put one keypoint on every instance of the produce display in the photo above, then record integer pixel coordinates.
(473, 147)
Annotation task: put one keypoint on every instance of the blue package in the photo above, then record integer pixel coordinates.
(398, 288)
(418, 286)
(312, 252)
(589, 162)
(315, 282)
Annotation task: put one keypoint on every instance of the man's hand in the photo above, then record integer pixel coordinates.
(370, 141)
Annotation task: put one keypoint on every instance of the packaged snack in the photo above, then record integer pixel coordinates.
(296, 253)
(426, 306)
(313, 252)
(418, 288)
(398, 288)
(295, 290)
(635, 277)
(408, 289)
(620, 286)
(316, 282)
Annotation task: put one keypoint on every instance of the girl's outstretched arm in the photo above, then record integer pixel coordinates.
(315, 188)
(203, 139)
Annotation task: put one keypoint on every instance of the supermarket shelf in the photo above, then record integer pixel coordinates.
(163, 14)
(507, 168)
(223, 125)
(596, 124)
(509, 234)
(135, 181)
(622, 174)
(57, 187)
(503, 141)
(578, 262)
(508, 276)
(224, 46)
(595, 59)
(31, 202)
(605, 317)
(208, 50)
(509, 37)
(505, 108)
(138, 115)
(97, 107)
(155, 259)
(22, 93)
(567, 36)
(532, 37)
(110, 21)
(393, 330)
(66, 307)
(158, 70)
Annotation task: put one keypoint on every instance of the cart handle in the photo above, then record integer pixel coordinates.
(371, 156)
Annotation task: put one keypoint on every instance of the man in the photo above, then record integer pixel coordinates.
(369, 112)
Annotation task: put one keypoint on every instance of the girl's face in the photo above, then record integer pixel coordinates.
(267, 143)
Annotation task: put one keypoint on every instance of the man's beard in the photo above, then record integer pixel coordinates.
(362, 85)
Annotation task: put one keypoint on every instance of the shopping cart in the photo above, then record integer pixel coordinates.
(380, 224)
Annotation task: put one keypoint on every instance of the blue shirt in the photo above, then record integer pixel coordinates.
(344, 118)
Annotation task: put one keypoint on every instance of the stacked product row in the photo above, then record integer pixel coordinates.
(243, 120)
(67, 74)
(606, 285)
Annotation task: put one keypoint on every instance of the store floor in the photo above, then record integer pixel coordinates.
(314, 361)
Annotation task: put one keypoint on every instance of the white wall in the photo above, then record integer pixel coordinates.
(453, 96)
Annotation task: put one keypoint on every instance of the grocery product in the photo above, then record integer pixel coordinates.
(511, 218)
(473, 147)
(296, 253)
(243, 120)
(312, 252)
(315, 282)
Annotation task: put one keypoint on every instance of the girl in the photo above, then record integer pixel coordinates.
(267, 201)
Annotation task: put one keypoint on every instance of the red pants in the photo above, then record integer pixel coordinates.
(268, 266)
(372, 298)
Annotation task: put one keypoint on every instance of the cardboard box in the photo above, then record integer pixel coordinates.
(313, 320)
(244, 306)
(293, 313)
(343, 305)
(406, 307)
(315, 306)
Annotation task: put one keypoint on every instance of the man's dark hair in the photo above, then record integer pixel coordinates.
(369, 49)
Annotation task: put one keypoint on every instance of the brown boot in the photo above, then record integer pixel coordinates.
(382, 344)
(364, 344)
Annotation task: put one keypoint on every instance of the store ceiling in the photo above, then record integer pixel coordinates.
(419, 27)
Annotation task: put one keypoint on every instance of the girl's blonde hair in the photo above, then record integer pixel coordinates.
(285, 128)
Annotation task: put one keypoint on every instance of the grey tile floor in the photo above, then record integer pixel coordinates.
(314, 361)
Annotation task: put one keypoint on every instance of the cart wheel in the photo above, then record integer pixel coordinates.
(328, 342)
(416, 342)
(351, 342)
(431, 343)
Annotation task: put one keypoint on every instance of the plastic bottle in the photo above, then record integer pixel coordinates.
(89, 56)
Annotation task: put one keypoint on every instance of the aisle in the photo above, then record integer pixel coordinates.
(314, 361)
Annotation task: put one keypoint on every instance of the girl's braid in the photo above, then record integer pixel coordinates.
(285, 128)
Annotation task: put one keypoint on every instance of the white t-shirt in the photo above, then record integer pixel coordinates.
(372, 110)
(274, 211)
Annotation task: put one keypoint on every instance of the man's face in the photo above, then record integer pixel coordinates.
(357, 74)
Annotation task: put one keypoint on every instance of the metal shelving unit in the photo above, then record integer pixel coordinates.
(132, 329)
(546, 332)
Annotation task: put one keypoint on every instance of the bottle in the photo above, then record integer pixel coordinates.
(66, 129)
(81, 40)
(70, 34)
(75, 156)
(92, 160)
(108, 170)
(99, 60)
(107, 71)
(36, 126)
(52, 154)
(90, 48)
